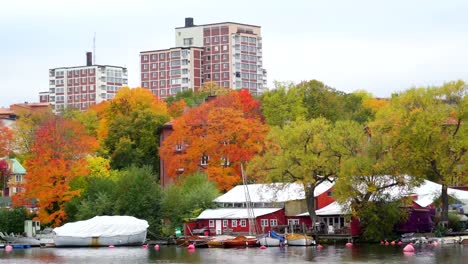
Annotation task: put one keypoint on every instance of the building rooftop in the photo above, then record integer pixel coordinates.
(220, 23)
(235, 213)
(160, 50)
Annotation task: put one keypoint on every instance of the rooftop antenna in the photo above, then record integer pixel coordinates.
(94, 49)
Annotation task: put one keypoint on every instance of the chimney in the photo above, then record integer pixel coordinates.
(189, 22)
(89, 58)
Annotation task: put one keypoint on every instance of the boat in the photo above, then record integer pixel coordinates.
(241, 241)
(299, 240)
(272, 239)
(218, 241)
(20, 240)
(102, 231)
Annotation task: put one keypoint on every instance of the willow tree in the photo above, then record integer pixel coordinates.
(307, 152)
(429, 125)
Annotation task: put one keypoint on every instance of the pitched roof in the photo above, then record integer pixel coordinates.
(16, 168)
(267, 193)
(332, 209)
(234, 213)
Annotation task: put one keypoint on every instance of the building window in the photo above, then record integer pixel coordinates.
(154, 75)
(204, 160)
(162, 65)
(162, 74)
(243, 223)
(225, 75)
(216, 48)
(216, 76)
(225, 47)
(216, 66)
(207, 40)
(264, 222)
(211, 223)
(188, 41)
(225, 66)
(224, 38)
(293, 221)
(175, 54)
(145, 57)
(234, 223)
(225, 223)
(224, 57)
(154, 83)
(175, 63)
(154, 66)
(145, 66)
(162, 56)
(215, 39)
(162, 83)
(273, 222)
(216, 57)
(19, 178)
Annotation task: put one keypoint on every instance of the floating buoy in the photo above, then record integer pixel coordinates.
(393, 243)
(386, 243)
(435, 243)
(191, 247)
(408, 248)
(8, 248)
(319, 247)
(400, 243)
(156, 247)
(111, 246)
(262, 247)
(382, 243)
(145, 246)
(349, 244)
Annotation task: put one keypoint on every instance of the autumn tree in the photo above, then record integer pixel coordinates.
(213, 89)
(177, 108)
(191, 98)
(57, 156)
(307, 152)
(129, 128)
(217, 137)
(6, 140)
(429, 130)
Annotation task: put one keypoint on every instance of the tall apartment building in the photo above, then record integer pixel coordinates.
(167, 72)
(82, 86)
(231, 56)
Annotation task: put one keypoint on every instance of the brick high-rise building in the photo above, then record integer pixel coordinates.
(82, 86)
(231, 56)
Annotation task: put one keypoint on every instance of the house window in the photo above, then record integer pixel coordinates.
(225, 223)
(293, 221)
(211, 223)
(234, 223)
(19, 178)
(188, 41)
(264, 222)
(178, 147)
(243, 223)
(204, 160)
(273, 222)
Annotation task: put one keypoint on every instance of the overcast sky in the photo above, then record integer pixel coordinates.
(378, 46)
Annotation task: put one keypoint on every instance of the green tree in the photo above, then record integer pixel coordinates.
(12, 220)
(428, 127)
(307, 152)
(187, 199)
(191, 98)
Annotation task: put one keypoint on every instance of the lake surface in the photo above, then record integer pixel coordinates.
(172, 254)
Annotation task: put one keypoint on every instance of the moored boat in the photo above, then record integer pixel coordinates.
(241, 241)
(272, 239)
(218, 241)
(299, 240)
(102, 231)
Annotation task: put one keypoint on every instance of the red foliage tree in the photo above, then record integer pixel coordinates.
(58, 155)
(6, 140)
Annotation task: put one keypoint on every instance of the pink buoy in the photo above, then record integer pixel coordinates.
(386, 243)
(111, 246)
(156, 247)
(393, 243)
(145, 246)
(382, 243)
(8, 248)
(349, 244)
(319, 247)
(400, 243)
(408, 248)
(191, 247)
(262, 247)
(435, 244)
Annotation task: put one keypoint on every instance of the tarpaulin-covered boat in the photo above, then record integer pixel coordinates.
(102, 231)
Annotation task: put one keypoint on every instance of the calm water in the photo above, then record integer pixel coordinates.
(172, 254)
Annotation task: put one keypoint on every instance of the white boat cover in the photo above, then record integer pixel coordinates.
(103, 226)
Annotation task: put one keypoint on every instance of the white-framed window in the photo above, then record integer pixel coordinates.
(293, 221)
(145, 66)
(154, 66)
(243, 223)
(207, 40)
(145, 57)
(216, 48)
(162, 65)
(162, 56)
(225, 47)
(204, 160)
(154, 57)
(215, 39)
(264, 222)
(273, 222)
(234, 223)
(211, 223)
(224, 38)
(225, 223)
(19, 178)
(178, 147)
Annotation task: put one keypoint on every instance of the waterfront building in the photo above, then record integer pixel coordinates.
(80, 87)
(231, 55)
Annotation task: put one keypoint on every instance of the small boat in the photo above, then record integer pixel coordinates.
(199, 241)
(218, 241)
(20, 240)
(241, 241)
(272, 239)
(299, 240)
(102, 231)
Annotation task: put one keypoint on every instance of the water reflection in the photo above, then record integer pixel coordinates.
(172, 254)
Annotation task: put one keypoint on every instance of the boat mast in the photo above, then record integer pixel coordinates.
(248, 202)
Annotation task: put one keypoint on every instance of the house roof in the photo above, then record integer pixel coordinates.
(267, 193)
(17, 167)
(235, 213)
(428, 191)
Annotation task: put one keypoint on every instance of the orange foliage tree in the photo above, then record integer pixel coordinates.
(176, 109)
(216, 137)
(6, 140)
(58, 155)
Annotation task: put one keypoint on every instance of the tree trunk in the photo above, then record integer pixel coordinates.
(310, 199)
(445, 204)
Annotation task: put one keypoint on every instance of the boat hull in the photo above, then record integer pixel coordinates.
(269, 242)
(120, 240)
(300, 240)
